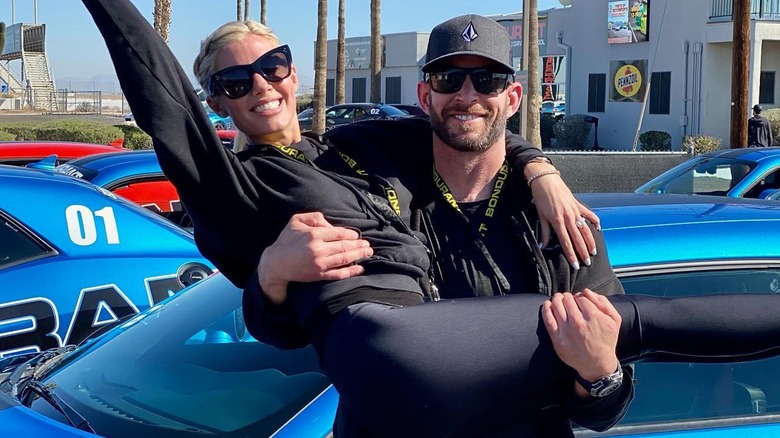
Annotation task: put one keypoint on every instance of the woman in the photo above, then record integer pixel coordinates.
(428, 385)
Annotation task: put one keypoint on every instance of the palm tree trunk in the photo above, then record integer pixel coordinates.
(246, 9)
(320, 67)
(533, 94)
(238, 10)
(162, 18)
(340, 46)
(262, 11)
(376, 52)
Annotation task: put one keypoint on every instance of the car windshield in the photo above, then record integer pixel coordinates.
(187, 367)
(704, 176)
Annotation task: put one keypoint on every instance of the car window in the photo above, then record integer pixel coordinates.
(17, 245)
(765, 186)
(340, 113)
(389, 110)
(157, 195)
(687, 391)
(714, 176)
(359, 113)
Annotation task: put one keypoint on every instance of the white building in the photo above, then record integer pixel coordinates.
(681, 48)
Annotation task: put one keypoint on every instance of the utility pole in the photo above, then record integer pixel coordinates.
(740, 73)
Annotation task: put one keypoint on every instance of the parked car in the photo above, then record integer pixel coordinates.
(22, 153)
(554, 107)
(75, 257)
(353, 112)
(207, 375)
(737, 173)
(217, 121)
(412, 110)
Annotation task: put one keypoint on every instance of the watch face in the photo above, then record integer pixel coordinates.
(607, 385)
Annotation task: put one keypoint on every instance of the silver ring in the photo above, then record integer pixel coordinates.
(580, 222)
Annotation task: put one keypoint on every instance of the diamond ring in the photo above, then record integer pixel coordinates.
(580, 222)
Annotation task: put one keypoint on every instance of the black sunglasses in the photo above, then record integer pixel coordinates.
(484, 80)
(236, 81)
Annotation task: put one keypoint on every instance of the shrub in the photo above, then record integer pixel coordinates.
(77, 130)
(773, 115)
(303, 102)
(85, 107)
(547, 123)
(513, 123)
(699, 144)
(21, 130)
(135, 137)
(572, 132)
(7, 136)
(655, 141)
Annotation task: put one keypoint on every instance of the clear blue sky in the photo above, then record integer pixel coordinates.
(76, 49)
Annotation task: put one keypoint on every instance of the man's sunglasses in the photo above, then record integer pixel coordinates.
(236, 81)
(484, 80)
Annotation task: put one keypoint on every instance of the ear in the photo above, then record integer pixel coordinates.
(424, 96)
(514, 97)
(216, 106)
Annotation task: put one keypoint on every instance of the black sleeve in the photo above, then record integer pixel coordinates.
(213, 185)
(275, 325)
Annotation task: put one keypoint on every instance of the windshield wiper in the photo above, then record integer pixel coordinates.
(14, 383)
(46, 393)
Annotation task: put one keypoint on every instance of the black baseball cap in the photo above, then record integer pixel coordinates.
(469, 35)
(757, 108)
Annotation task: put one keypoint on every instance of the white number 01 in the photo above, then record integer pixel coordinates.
(82, 228)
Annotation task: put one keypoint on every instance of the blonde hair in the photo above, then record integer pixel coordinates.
(204, 64)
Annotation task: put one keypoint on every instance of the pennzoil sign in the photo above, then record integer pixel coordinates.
(628, 84)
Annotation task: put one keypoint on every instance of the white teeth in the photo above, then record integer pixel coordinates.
(466, 118)
(267, 106)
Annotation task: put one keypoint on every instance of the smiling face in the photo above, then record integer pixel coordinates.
(467, 120)
(267, 113)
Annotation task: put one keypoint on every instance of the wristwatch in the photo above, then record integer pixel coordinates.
(603, 386)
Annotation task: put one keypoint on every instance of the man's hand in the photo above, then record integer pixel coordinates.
(584, 330)
(557, 207)
(308, 249)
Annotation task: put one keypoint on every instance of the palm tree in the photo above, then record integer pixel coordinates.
(376, 52)
(162, 18)
(2, 34)
(246, 9)
(262, 11)
(238, 10)
(320, 67)
(533, 95)
(340, 46)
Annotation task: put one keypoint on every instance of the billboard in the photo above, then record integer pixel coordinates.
(553, 75)
(627, 21)
(357, 53)
(515, 30)
(629, 80)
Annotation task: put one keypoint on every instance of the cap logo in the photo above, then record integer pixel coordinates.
(469, 34)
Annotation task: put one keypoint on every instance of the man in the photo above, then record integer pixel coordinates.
(475, 215)
(759, 129)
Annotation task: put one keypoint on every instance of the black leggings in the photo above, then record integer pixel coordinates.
(452, 367)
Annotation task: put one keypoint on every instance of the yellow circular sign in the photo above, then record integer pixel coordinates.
(628, 80)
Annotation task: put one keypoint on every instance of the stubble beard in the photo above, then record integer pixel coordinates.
(457, 139)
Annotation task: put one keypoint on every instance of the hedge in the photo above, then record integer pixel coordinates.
(135, 137)
(77, 130)
(21, 130)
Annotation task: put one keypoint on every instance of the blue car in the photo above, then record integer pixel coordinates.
(75, 258)
(208, 376)
(737, 173)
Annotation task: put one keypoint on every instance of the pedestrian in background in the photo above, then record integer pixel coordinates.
(759, 129)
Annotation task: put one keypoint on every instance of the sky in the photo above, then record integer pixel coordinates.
(77, 54)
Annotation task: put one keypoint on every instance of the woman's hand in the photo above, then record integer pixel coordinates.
(559, 209)
(309, 249)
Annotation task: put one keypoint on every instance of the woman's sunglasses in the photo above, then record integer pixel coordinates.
(485, 81)
(236, 81)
